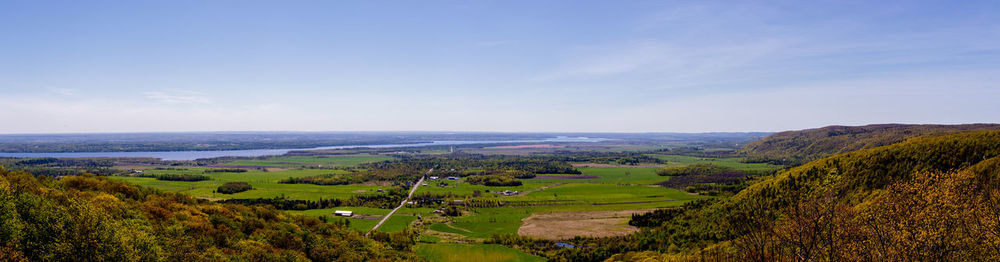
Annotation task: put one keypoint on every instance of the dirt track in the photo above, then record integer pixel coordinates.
(414, 189)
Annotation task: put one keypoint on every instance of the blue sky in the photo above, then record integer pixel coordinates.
(614, 66)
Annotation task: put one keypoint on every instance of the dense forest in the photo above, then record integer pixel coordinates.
(799, 147)
(98, 219)
(707, 179)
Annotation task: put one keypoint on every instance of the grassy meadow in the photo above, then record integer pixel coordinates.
(265, 183)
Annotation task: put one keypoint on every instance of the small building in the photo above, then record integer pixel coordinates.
(343, 213)
(434, 178)
(509, 193)
(452, 178)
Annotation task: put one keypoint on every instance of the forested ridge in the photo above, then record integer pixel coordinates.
(89, 218)
(932, 198)
(801, 146)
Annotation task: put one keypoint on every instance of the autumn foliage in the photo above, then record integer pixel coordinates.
(94, 218)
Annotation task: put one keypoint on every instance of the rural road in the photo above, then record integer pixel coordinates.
(414, 189)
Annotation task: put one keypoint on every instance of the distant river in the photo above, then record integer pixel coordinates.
(192, 155)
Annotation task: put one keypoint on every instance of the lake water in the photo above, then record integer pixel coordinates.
(192, 155)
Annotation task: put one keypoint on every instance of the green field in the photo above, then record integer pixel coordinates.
(615, 189)
(472, 252)
(265, 183)
(325, 161)
(732, 162)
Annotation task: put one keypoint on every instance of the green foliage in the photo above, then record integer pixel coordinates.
(851, 179)
(472, 252)
(493, 180)
(226, 170)
(617, 158)
(452, 211)
(94, 218)
(234, 187)
(177, 177)
(696, 169)
(797, 147)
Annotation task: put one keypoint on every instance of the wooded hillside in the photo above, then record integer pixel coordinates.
(97, 219)
(801, 146)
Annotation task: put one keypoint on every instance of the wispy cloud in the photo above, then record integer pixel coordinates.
(664, 59)
(178, 97)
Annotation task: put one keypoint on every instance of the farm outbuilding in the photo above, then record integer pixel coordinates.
(343, 213)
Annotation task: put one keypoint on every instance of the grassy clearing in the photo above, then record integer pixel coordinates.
(608, 175)
(472, 252)
(732, 162)
(295, 161)
(460, 187)
(265, 184)
(616, 189)
(626, 175)
(484, 222)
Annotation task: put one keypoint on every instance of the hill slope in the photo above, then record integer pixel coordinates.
(97, 219)
(929, 198)
(797, 147)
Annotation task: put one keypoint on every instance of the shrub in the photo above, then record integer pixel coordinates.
(234, 187)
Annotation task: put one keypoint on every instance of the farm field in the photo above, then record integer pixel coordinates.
(732, 162)
(605, 175)
(265, 183)
(472, 252)
(563, 225)
(616, 189)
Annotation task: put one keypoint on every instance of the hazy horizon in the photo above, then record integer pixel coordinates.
(483, 66)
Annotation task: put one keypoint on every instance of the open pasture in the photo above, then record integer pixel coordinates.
(732, 162)
(265, 184)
